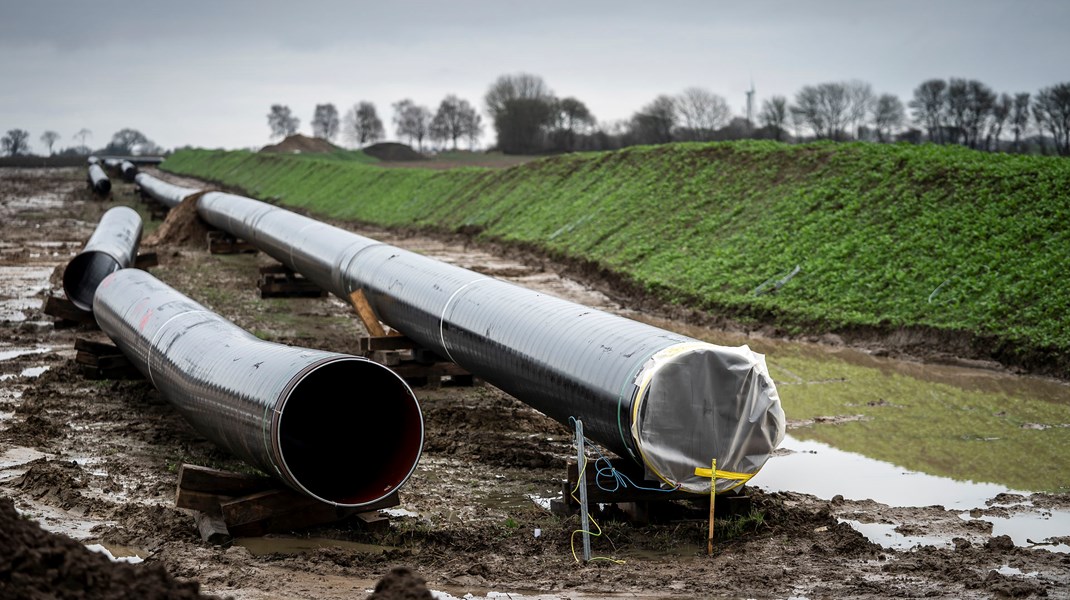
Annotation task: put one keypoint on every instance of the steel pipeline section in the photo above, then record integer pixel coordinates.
(168, 194)
(670, 402)
(338, 428)
(98, 180)
(128, 170)
(112, 246)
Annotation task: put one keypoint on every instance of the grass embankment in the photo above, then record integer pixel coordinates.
(941, 240)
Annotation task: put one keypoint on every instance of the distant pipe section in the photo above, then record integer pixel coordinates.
(670, 402)
(338, 428)
(98, 180)
(167, 194)
(128, 171)
(112, 246)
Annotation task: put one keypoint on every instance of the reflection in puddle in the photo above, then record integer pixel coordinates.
(119, 553)
(886, 535)
(260, 546)
(823, 471)
(28, 372)
(1031, 529)
(9, 353)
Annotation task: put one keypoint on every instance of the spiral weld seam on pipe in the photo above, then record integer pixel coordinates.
(562, 358)
(277, 407)
(112, 246)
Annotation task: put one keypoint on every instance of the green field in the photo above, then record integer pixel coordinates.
(939, 238)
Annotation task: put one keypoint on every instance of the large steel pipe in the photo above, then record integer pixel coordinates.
(671, 402)
(339, 428)
(112, 246)
(168, 194)
(98, 180)
(128, 170)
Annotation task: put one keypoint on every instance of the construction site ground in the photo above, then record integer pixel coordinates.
(97, 460)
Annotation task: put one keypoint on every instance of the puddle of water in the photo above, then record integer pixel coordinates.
(819, 469)
(13, 457)
(15, 352)
(1009, 570)
(260, 546)
(886, 535)
(823, 471)
(1031, 529)
(28, 372)
(119, 553)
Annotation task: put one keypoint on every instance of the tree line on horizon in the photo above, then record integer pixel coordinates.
(529, 118)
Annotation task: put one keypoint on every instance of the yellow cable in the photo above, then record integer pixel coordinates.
(572, 538)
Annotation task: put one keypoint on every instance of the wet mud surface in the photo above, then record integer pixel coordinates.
(97, 460)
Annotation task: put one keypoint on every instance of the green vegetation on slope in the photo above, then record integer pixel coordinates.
(885, 236)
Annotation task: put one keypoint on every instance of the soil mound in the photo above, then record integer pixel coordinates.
(401, 584)
(38, 564)
(393, 151)
(182, 227)
(301, 144)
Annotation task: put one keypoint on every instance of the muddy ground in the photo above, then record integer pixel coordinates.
(97, 460)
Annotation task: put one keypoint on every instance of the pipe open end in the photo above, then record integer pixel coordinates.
(697, 402)
(83, 274)
(350, 432)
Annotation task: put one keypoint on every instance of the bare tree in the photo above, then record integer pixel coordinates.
(49, 138)
(888, 116)
(928, 107)
(362, 125)
(774, 115)
(1051, 109)
(473, 128)
(700, 112)
(452, 120)
(571, 116)
(412, 121)
(130, 141)
(824, 109)
(969, 104)
(1020, 118)
(281, 121)
(82, 134)
(859, 105)
(655, 122)
(521, 107)
(1001, 111)
(15, 142)
(325, 121)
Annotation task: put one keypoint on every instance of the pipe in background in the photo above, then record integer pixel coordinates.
(167, 194)
(98, 180)
(112, 246)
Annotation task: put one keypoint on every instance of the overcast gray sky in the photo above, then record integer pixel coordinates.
(205, 73)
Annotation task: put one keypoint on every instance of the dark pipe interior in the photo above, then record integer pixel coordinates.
(83, 274)
(351, 432)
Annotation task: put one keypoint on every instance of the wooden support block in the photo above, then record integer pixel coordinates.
(373, 521)
(366, 314)
(389, 358)
(386, 342)
(205, 502)
(212, 529)
(146, 260)
(196, 478)
(101, 360)
(273, 285)
(65, 310)
(222, 243)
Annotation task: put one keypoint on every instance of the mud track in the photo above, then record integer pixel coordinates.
(97, 461)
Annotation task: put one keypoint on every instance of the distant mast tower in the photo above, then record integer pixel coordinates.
(750, 105)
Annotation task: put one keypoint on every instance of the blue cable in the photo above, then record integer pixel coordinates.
(620, 480)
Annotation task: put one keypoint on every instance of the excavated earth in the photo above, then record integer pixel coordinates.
(95, 461)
